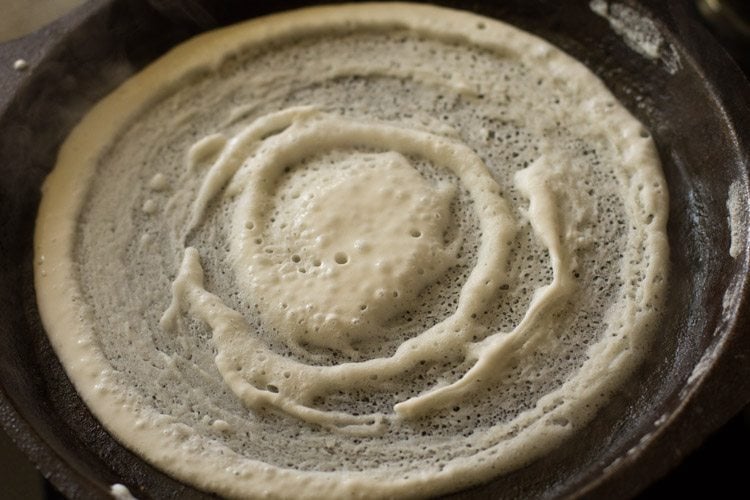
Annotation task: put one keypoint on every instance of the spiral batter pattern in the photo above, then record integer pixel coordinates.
(353, 251)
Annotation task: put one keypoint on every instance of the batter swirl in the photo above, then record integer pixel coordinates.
(364, 251)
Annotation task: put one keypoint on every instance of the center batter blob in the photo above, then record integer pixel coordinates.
(351, 242)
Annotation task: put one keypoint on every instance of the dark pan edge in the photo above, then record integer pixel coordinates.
(705, 398)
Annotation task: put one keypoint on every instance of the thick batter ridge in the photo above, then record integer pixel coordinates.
(356, 251)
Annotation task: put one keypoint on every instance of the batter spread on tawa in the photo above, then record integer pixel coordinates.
(371, 250)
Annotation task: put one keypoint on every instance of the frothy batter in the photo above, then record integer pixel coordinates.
(371, 250)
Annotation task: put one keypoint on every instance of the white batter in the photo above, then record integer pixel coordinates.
(356, 251)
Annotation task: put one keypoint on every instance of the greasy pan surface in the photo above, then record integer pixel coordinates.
(700, 119)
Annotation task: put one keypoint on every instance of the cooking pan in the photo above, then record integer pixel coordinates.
(696, 376)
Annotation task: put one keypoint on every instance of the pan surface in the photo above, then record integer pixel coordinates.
(694, 101)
